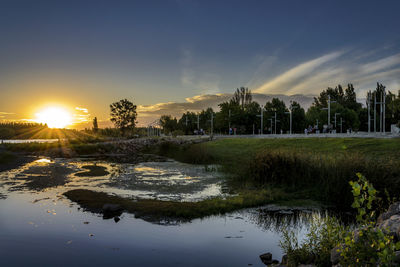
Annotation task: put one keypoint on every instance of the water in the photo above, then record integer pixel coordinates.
(40, 227)
(20, 141)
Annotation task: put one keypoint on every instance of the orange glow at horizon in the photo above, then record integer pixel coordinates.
(54, 117)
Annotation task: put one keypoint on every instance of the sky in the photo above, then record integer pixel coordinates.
(170, 56)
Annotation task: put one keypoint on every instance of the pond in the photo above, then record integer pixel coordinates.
(41, 227)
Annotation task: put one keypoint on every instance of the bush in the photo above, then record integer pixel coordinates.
(367, 246)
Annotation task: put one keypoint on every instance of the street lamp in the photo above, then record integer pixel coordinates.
(262, 119)
(329, 110)
(335, 119)
(290, 115)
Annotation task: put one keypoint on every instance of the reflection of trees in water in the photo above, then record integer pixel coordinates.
(277, 220)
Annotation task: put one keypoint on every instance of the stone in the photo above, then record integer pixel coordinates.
(397, 257)
(393, 209)
(266, 258)
(335, 255)
(391, 226)
(111, 207)
(284, 260)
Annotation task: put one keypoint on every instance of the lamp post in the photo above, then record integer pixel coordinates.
(329, 110)
(290, 117)
(335, 119)
(262, 119)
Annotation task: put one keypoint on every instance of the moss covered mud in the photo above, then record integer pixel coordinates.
(156, 210)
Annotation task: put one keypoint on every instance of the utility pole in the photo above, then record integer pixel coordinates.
(198, 122)
(275, 122)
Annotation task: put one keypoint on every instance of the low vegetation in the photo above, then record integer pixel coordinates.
(156, 210)
(362, 245)
(320, 168)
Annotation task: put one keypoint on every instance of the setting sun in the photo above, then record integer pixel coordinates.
(54, 117)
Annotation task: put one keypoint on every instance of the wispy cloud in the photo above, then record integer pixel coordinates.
(81, 115)
(311, 77)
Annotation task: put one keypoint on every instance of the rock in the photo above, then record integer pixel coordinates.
(393, 209)
(266, 258)
(111, 207)
(116, 219)
(284, 260)
(391, 226)
(335, 255)
(397, 257)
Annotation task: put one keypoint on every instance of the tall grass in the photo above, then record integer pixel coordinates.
(321, 169)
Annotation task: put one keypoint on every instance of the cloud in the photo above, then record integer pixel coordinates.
(296, 74)
(81, 117)
(150, 113)
(4, 115)
(363, 70)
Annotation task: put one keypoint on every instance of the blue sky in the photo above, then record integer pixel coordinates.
(90, 53)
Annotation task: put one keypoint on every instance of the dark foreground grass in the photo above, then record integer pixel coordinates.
(322, 167)
(156, 210)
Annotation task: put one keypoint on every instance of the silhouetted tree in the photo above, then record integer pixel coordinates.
(123, 114)
(95, 125)
(242, 97)
(168, 124)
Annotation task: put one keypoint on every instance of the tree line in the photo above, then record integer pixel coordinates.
(243, 115)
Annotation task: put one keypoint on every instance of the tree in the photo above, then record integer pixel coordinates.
(95, 125)
(278, 106)
(242, 97)
(123, 114)
(298, 117)
(168, 123)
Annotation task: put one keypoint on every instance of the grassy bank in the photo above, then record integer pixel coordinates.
(156, 210)
(320, 168)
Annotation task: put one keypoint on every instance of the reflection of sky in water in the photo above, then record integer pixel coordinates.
(169, 180)
(42, 227)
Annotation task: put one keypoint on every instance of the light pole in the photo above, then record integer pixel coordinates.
(229, 121)
(262, 119)
(329, 110)
(369, 110)
(341, 125)
(271, 124)
(375, 112)
(335, 119)
(290, 117)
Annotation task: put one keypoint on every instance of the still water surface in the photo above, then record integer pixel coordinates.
(40, 227)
